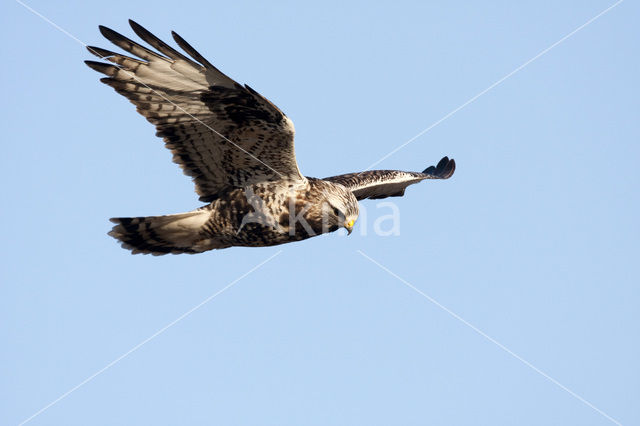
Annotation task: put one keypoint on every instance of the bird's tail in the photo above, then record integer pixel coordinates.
(158, 235)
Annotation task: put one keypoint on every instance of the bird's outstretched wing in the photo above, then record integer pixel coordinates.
(221, 133)
(377, 184)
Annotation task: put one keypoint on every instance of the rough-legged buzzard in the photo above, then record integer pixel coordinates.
(238, 148)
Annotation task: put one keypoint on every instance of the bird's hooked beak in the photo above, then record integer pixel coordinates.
(349, 226)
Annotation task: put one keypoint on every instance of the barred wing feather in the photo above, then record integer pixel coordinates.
(224, 135)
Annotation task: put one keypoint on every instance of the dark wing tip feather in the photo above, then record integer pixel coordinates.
(99, 52)
(129, 45)
(143, 33)
(444, 169)
(133, 24)
(103, 68)
(154, 41)
(191, 51)
(108, 33)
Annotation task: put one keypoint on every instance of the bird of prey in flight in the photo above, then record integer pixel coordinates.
(238, 148)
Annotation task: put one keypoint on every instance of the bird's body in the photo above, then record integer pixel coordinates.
(238, 148)
(259, 215)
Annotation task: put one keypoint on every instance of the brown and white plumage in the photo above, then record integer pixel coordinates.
(236, 145)
(222, 134)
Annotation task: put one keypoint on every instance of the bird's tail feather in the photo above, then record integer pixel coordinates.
(158, 235)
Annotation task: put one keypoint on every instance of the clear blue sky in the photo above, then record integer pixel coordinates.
(534, 240)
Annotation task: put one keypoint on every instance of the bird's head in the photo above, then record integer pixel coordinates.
(340, 209)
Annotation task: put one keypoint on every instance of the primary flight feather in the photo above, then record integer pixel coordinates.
(238, 148)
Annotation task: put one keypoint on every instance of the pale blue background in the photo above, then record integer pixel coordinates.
(534, 240)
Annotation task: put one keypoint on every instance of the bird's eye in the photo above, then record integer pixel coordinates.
(336, 211)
